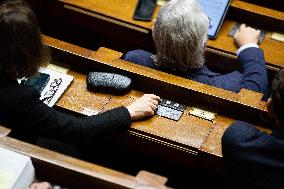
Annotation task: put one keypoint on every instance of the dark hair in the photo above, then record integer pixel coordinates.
(21, 48)
(278, 96)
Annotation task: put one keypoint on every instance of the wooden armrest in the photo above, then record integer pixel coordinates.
(58, 44)
(4, 131)
(106, 54)
(147, 179)
(252, 97)
(73, 173)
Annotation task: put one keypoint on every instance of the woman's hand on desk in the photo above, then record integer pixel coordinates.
(144, 106)
(246, 35)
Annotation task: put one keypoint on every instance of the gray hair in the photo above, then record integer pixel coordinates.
(180, 33)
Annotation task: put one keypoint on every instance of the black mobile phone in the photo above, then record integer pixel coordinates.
(144, 10)
(39, 81)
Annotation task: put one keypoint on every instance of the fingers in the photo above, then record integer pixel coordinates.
(46, 185)
(151, 96)
(248, 29)
(153, 106)
(41, 185)
(156, 102)
(144, 106)
(245, 35)
(240, 30)
(153, 100)
(242, 26)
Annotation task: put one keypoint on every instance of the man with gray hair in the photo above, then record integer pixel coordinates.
(180, 36)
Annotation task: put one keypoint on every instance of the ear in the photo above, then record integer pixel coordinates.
(205, 43)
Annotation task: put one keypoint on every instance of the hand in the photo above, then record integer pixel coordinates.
(144, 106)
(40, 185)
(245, 35)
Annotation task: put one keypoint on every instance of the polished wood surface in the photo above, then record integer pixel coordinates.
(122, 10)
(257, 9)
(55, 43)
(190, 134)
(73, 173)
(274, 4)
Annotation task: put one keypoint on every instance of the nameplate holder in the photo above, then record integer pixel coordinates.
(58, 68)
(201, 113)
(277, 37)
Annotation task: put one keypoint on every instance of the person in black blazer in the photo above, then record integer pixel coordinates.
(21, 54)
(255, 159)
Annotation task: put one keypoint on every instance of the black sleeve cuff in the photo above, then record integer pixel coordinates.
(112, 121)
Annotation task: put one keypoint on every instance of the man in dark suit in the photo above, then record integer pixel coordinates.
(180, 36)
(255, 159)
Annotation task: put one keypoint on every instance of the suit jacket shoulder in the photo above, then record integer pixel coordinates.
(253, 159)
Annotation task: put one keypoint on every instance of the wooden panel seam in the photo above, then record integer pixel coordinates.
(180, 148)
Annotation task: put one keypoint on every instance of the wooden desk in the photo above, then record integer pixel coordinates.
(73, 173)
(118, 12)
(274, 4)
(115, 23)
(190, 138)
